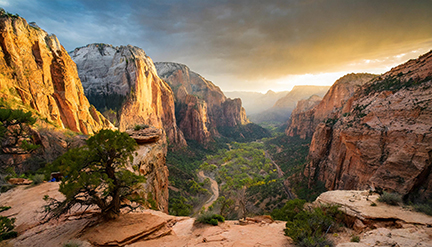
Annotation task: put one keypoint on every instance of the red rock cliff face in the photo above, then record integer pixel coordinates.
(304, 120)
(124, 80)
(38, 72)
(301, 121)
(384, 139)
(202, 107)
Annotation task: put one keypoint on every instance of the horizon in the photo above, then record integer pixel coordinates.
(244, 46)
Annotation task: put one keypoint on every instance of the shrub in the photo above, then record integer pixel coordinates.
(424, 207)
(38, 178)
(390, 198)
(308, 228)
(141, 126)
(6, 228)
(373, 204)
(210, 218)
(355, 239)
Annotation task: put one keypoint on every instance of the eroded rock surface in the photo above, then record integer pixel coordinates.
(122, 82)
(150, 160)
(308, 114)
(383, 138)
(37, 72)
(381, 225)
(201, 106)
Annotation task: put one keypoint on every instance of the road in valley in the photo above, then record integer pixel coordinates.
(214, 188)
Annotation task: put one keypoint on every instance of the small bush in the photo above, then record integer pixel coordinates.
(308, 228)
(38, 178)
(424, 207)
(210, 218)
(73, 243)
(141, 126)
(390, 198)
(355, 239)
(373, 204)
(4, 208)
(6, 228)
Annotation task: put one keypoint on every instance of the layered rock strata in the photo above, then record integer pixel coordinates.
(36, 71)
(305, 118)
(201, 106)
(123, 83)
(383, 138)
(150, 160)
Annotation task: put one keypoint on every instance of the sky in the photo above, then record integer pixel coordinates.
(247, 45)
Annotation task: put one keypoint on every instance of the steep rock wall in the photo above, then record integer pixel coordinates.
(304, 120)
(122, 81)
(384, 139)
(36, 71)
(209, 110)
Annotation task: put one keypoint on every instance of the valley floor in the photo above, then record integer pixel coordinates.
(380, 225)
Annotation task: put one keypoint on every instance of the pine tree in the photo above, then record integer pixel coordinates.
(96, 174)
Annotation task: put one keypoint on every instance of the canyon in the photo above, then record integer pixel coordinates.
(202, 108)
(380, 138)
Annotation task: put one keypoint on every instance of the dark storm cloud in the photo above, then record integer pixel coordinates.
(246, 39)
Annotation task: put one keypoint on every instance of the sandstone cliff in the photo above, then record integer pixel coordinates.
(123, 83)
(303, 121)
(281, 110)
(150, 161)
(36, 71)
(383, 138)
(201, 106)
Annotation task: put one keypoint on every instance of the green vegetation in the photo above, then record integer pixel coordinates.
(390, 198)
(394, 83)
(141, 126)
(38, 178)
(355, 239)
(210, 218)
(105, 102)
(15, 128)
(4, 13)
(308, 228)
(7, 226)
(182, 165)
(243, 133)
(98, 171)
(424, 207)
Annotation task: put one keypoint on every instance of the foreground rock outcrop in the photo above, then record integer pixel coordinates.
(308, 114)
(141, 228)
(150, 159)
(37, 72)
(383, 138)
(378, 225)
(201, 107)
(122, 82)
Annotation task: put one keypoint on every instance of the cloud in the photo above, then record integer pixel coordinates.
(246, 42)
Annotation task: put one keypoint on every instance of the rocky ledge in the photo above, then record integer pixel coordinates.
(147, 135)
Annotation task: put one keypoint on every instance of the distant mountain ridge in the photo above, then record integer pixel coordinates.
(255, 102)
(281, 110)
